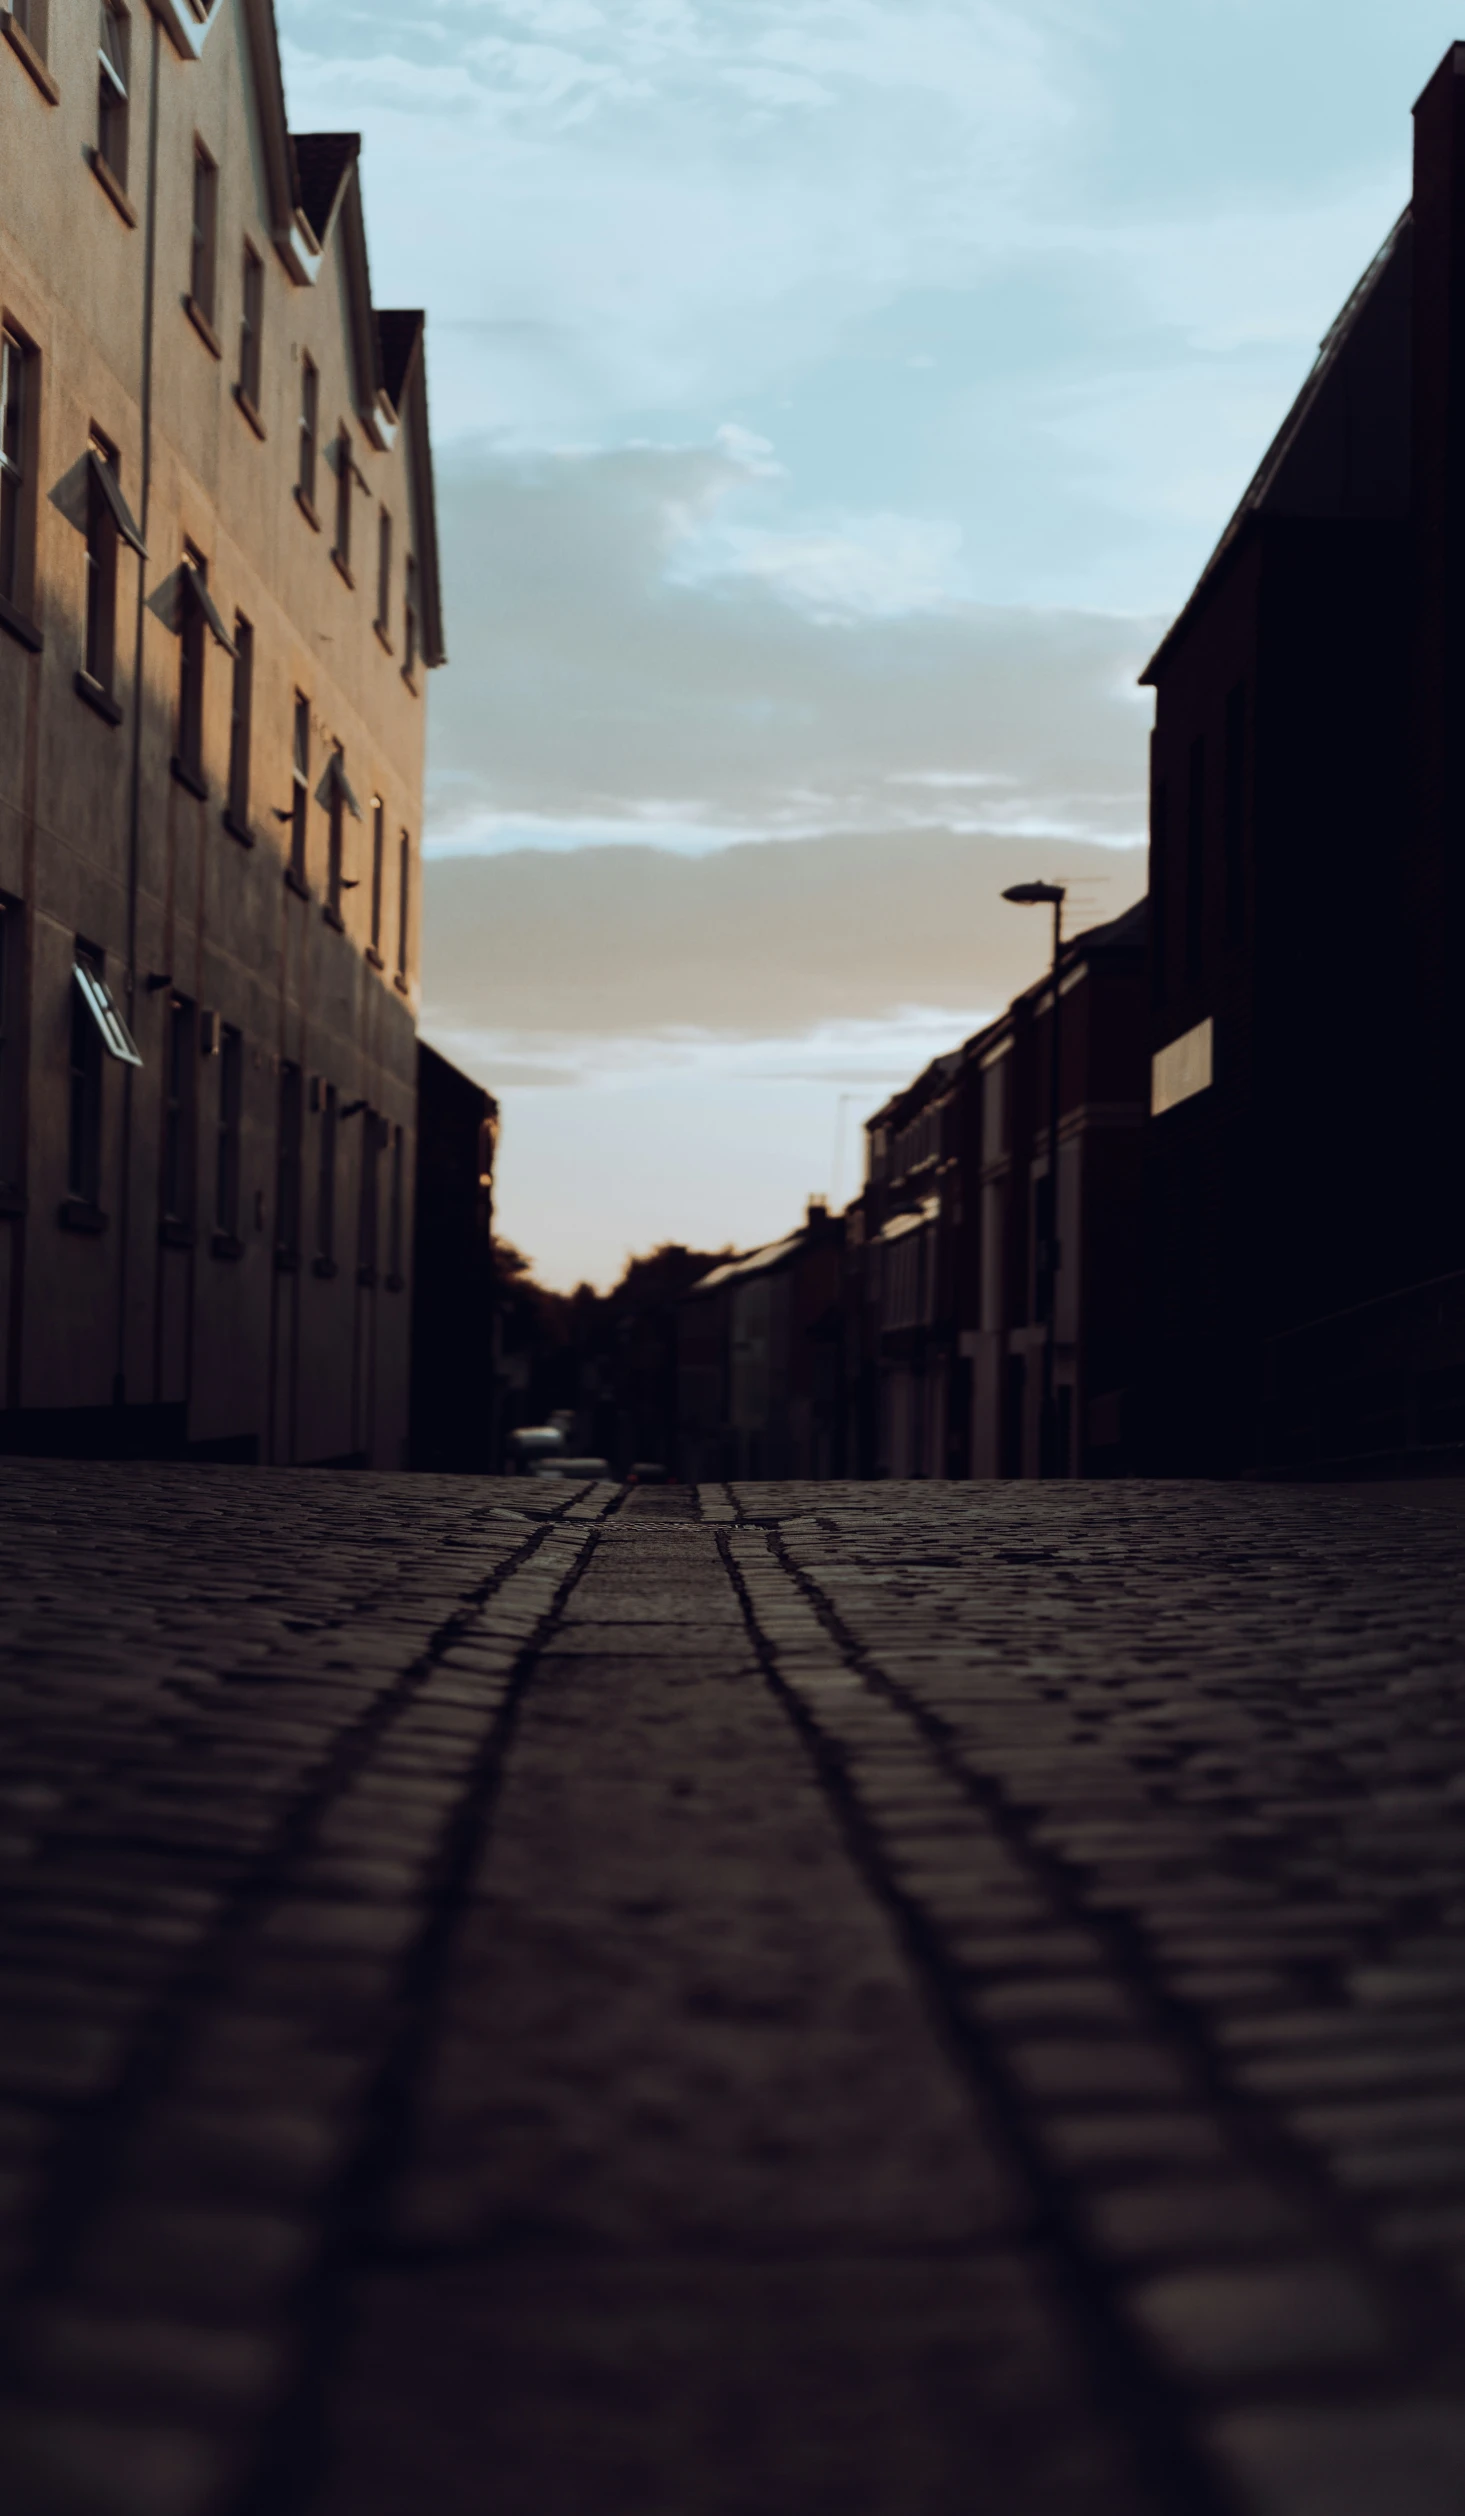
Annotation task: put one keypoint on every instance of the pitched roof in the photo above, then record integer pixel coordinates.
(397, 337)
(1343, 448)
(323, 159)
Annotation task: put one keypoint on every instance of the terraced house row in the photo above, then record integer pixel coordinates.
(219, 599)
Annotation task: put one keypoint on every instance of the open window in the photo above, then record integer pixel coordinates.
(109, 525)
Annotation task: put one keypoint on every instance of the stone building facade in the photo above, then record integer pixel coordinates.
(218, 602)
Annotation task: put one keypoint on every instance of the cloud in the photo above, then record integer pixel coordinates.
(632, 670)
(630, 953)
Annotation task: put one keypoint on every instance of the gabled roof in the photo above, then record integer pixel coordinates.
(313, 180)
(1343, 448)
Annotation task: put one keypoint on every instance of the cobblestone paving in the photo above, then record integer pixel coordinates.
(788, 2001)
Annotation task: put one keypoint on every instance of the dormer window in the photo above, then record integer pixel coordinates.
(113, 48)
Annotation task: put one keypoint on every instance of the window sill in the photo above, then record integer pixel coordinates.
(77, 1214)
(343, 569)
(203, 327)
(21, 43)
(20, 627)
(226, 1245)
(97, 697)
(239, 830)
(307, 508)
(287, 1262)
(374, 958)
(334, 918)
(111, 187)
(187, 775)
(175, 1235)
(366, 1276)
(251, 412)
(324, 1268)
(383, 637)
(296, 883)
(402, 983)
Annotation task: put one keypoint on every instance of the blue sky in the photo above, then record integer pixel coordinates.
(832, 401)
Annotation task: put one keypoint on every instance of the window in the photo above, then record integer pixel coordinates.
(205, 232)
(371, 1142)
(1159, 887)
(1195, 861)
(17, 376)
(193, 625)
(30, 18)
(309, 425)
(101, 568)
(84, 1129)
(12, 937)
(287, 1170)
(335, 839)
(1233, 809)
(384, 572)
(394, 1248)
(178, 1116)
(345, 471)
(378, 851)
(300, 789)
(251, 325)
(240, 708)
(226, 1142)
(404, 903)
(409, 617)
(325, 1201)
(113, 49)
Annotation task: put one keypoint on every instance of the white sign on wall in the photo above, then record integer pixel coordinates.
(1184, 1068)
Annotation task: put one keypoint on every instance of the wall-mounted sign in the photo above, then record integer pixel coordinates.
(1182, 1069)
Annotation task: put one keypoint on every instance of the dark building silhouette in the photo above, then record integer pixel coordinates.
(455, 1398)
(761, 1362)
(1305, 1219)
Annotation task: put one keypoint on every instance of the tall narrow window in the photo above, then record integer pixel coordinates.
(178, 1117)
(300, 789)
(101, 568)
(384, 573)
(335, 840)
(241, 705)
(409, 616)
(113, 49)
(205, 232)
(287, 1169)
(1234, 806)
(17, 369)
(1159, 888)
(378, 852)
(345, 475)
(366, 1226)
(226, 1141)
(1195, 861)
(193, 630)
(394, 1229)
(325, 1199)
(84, 1114)
(31, 18)
(251, 326)
(309, 431)
(11, 933)
(404, 903)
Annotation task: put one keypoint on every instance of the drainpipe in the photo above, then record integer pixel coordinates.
(134, 813)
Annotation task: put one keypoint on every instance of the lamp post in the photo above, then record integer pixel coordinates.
(1032, 895)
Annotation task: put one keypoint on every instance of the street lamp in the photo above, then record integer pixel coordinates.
(1035, 895)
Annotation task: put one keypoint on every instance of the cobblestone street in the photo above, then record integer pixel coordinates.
(839, 2000)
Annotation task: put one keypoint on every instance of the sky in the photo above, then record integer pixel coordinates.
(832, 401)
